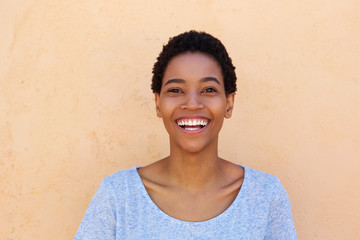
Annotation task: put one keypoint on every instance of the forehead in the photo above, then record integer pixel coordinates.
(193, 65)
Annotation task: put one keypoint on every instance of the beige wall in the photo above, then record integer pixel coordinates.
(76, 104)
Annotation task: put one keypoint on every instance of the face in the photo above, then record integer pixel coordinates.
(192, 101)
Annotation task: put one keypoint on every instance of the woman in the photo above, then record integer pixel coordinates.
(192, 193)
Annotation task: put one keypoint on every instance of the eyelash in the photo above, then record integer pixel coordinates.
(211, 90)
(206, 90)
(174, 90)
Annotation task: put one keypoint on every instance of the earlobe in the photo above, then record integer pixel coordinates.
(229, 105)
(157, 103)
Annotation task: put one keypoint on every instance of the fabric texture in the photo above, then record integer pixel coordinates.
(122, 209)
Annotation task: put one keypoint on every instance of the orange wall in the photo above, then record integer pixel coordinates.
(76, 104)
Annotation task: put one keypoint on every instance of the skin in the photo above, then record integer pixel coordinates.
(193, 183)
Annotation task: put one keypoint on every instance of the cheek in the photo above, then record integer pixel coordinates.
(165, 110)
(168, 105)
(217, 107)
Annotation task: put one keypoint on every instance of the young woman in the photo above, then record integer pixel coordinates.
(192, 193)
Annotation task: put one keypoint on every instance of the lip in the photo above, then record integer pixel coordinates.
(193, 132)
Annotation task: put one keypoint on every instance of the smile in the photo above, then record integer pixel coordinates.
(192, 124)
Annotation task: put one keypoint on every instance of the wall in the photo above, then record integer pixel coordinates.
(76, 105)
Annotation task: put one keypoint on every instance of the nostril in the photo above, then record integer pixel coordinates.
(192, 101)
(193, 105)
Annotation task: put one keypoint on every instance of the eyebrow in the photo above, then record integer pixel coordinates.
(174, 80)
(205, 79)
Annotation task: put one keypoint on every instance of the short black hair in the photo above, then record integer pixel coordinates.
(194, 41)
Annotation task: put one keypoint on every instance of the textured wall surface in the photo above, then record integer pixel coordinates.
(76, 104)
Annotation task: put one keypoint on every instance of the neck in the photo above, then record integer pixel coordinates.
(194, 171)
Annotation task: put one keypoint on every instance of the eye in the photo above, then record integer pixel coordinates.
(210, 90)
(174, 90)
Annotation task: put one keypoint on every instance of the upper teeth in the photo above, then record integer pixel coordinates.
(192, 122)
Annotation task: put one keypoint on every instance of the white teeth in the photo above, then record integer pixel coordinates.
(192, 129)
(192, 122)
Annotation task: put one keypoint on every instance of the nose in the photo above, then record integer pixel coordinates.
(192, 101)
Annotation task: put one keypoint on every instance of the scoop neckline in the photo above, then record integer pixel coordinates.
(166, 216)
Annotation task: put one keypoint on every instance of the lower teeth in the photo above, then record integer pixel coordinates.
(191, 129)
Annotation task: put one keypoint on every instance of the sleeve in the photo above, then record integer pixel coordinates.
(280, 225)
(99, 221)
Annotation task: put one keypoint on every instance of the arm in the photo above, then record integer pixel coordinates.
(280, 224)
(99, 221)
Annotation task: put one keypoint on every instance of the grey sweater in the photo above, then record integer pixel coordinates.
(122, 209)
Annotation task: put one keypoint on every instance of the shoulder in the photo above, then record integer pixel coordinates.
(120, 176)
(262, 186)
(261, 179)
(105, 205)
(268, 194)
(121, 182)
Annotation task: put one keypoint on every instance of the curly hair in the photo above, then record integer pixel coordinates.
(194, 41)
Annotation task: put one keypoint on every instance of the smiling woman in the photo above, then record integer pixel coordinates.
(193, 91)
(192, 193)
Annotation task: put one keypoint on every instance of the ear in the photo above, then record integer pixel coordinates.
(229, 104)
(157, 104)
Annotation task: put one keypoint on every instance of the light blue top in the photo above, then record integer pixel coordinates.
(122, 209)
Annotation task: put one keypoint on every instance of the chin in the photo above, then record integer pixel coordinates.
(193, 150)
(193, 147)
